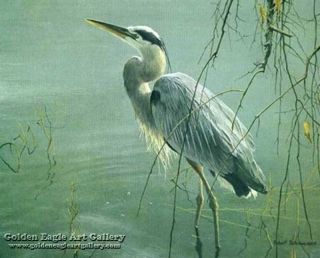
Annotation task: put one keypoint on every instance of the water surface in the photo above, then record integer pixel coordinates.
(62, 79)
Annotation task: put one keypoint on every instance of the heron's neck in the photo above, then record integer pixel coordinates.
(153, 63)
(138, 71)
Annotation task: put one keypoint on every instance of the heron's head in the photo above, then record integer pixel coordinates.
(143, 38)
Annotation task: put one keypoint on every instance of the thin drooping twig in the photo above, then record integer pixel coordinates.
(290, 144)
(261, 67)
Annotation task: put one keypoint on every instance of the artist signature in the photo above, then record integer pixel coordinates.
(294, 242)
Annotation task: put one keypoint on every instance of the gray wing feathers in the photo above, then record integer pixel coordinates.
(210, 140)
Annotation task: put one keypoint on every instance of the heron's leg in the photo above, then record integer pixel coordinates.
(213, 203)
(200, 201)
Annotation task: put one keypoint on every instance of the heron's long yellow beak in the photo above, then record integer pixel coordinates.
(113, 29)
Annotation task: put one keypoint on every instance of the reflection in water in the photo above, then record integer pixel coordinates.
(13, 150)
(198, 243)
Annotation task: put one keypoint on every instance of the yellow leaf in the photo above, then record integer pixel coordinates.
(263, 13)
(306, 127)
(278, 5)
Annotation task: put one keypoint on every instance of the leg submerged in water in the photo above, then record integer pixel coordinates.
(213, 203)
(200, 202)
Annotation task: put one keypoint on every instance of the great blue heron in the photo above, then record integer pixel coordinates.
(210, 138)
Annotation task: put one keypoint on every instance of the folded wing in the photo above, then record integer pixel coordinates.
(209, 137)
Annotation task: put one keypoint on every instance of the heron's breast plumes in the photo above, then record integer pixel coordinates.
(154, 138)
(156, 143)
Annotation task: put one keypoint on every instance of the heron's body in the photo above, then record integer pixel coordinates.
(211, 141)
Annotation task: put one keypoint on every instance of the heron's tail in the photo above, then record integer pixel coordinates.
(244, 185)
